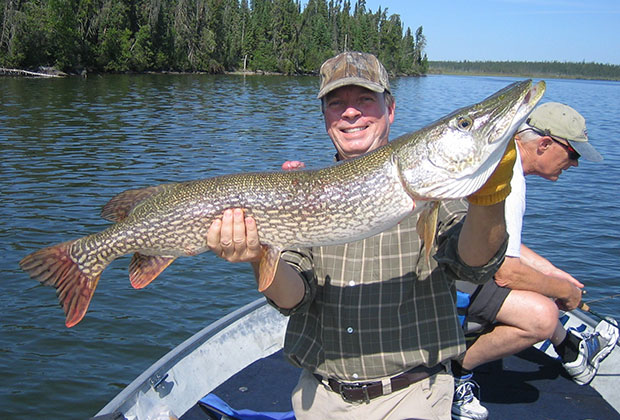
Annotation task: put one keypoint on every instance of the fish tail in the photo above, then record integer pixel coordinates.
(54, 266)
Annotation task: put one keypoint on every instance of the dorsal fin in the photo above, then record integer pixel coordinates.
(122, 204)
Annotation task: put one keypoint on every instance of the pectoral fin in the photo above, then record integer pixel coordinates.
(267, 268)
(427, 227)
(143, 269)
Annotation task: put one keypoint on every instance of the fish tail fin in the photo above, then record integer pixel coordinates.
(53, 266)
(143, 269)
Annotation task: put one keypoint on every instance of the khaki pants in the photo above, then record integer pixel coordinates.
(429, 399)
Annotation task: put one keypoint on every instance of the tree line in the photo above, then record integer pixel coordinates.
(201, 35)
(533, 69)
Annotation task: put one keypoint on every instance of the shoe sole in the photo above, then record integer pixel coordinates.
(456, 416)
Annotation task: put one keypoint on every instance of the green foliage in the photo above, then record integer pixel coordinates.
(23, 38)
(529, 69)
(62, 33)
(200, 35)
(142, 54)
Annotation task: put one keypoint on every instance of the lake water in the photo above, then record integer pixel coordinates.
(69, 145)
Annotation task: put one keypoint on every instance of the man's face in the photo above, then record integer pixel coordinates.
(553, 159)
(357, 120)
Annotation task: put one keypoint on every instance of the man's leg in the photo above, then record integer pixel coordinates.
(524, 318)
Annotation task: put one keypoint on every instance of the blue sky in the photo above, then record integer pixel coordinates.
(522, 30)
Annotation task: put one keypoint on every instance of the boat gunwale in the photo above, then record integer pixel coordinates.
(155, 373)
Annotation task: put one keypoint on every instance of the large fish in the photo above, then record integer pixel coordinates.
(351, 200)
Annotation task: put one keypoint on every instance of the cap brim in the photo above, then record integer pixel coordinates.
(357, 81)
(586, 150)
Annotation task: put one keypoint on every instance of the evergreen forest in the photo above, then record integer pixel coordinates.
(212, 36)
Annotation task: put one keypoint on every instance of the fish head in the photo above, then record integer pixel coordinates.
(453, 157)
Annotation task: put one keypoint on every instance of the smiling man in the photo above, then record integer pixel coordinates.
(372, 323)
(358, 110)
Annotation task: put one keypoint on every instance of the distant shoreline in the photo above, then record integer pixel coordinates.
(555, 70)
(529, 75)
(445, 68)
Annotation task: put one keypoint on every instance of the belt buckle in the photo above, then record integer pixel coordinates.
(344, 387)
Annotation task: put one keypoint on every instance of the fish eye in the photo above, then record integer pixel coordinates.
(464, 123)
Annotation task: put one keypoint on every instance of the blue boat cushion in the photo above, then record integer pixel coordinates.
(219, 407)
(462, 303)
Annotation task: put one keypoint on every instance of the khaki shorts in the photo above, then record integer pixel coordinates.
(428, 399)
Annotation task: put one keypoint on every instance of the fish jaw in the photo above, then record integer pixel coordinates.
(456, 155)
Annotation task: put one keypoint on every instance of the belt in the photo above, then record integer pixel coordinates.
(366, 391)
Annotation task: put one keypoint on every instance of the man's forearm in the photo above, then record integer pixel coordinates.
(534, 260)
(518, 276)
(287, 289)
(483, 232)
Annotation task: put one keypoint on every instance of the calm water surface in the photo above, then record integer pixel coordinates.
(70, 145)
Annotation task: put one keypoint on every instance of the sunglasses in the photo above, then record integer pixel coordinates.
(572, 153)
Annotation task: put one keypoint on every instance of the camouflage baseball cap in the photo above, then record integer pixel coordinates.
(353, 68)
(561, 121)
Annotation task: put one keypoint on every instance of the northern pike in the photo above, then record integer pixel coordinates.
(448, 159)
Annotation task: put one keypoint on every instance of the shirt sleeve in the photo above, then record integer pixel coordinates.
(301, 260)
(447, 253)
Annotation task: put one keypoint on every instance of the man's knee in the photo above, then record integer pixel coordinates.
(532, 312)
(544, 315)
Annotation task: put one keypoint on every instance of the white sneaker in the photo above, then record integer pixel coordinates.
(466, 403)
(593, 348)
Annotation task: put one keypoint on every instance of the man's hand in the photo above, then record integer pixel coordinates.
(292, 165)
(235, 237)
(572, 300)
